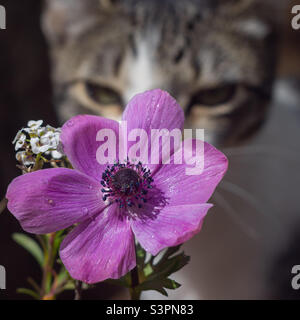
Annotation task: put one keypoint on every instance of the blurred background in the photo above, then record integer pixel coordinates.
(251, 238)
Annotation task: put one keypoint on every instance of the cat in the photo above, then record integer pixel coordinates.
(215, 57)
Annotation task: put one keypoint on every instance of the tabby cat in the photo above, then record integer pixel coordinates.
(215, 57)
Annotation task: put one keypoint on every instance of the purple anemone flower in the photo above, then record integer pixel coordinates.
(111, 205)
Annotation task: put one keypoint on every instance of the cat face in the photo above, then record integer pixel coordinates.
(216, 60)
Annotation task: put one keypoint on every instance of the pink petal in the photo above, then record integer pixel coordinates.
(79, 136)
(179, 188)
(154, 109)
(100, 249)
(173, 225)
(48, 200)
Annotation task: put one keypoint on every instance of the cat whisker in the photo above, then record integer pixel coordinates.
(248, 198)
(263, 151)
(249, 231)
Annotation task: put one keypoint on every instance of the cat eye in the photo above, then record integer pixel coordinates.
(214, 96)
(102, 95)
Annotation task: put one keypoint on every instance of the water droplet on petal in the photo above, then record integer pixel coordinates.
(51, 202)
(90, 187)
(85, 210)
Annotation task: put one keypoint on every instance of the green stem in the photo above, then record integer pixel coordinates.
(134, 277)
(38, 163)
(134, 291)
(47, 275)
(134, 294)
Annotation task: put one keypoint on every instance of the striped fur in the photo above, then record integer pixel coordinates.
(214, 57)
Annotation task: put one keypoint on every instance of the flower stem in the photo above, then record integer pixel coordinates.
(78, 289)
(134, 292)
(134, 277)
(48, 264)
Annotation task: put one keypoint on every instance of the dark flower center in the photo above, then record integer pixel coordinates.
(126, 184)
(126, 181)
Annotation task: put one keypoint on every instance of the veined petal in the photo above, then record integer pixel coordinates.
(100, 248)
(172, 226)
(154, 109)
(79, 136)
(180, 188)
(48, 200)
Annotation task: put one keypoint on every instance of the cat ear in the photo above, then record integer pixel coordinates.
(247, 17)
(63, 19)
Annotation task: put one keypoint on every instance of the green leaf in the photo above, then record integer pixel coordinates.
(148, 270)
(170, 251)
(29, 293)
(140, 256)
(156, 276)
(70, 285)
(162, 291)
(159, 284)
(124, 281)
(30, 245)
(170, 265)
(156, 285)
(34, 285)
(63, 276)
(171, 284)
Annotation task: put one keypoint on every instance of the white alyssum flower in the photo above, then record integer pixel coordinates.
(50, 138)
(56, 155)
(17, 136)
(35, 140)
(37, 147)
(46, 140)
(34, 125)
(25, 158)
(19, 140)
